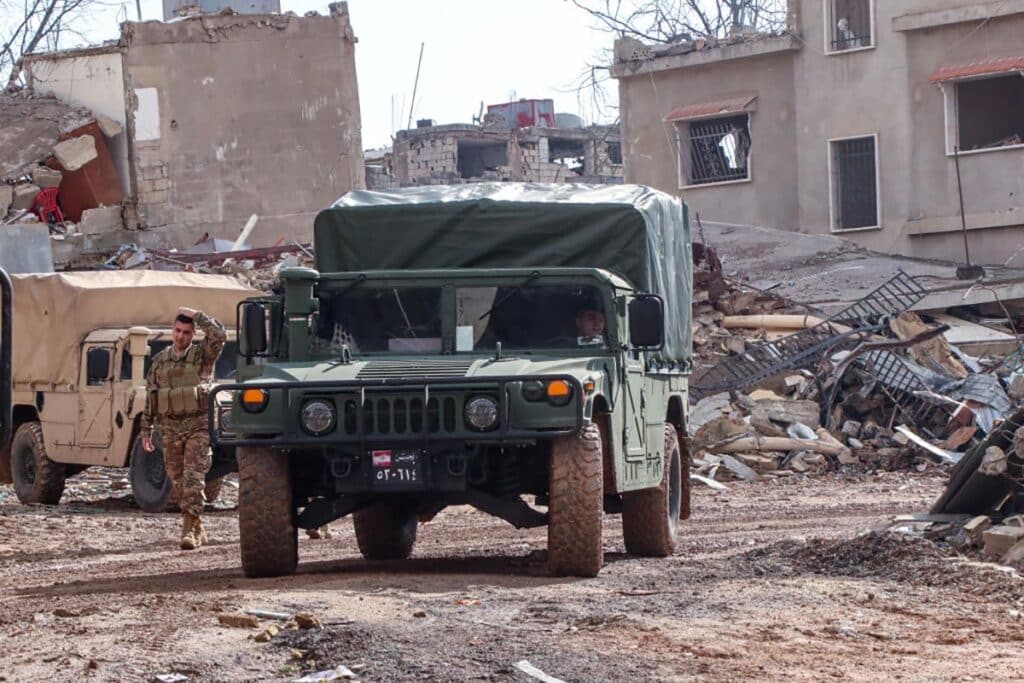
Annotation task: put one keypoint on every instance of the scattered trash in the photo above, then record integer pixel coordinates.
(267, 614)
(533, 672)
(338, 673)
(170, 678)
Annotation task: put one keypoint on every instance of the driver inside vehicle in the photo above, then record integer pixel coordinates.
(590, 324)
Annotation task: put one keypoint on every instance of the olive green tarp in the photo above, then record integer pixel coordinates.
(639, 233)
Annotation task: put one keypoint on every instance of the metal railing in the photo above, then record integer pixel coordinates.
(716, 150)
(856, 187)
(851, 24)
(803, 349)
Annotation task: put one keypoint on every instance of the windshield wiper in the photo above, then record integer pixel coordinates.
(519, 288)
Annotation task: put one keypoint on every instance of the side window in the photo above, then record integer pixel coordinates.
(126, 364)
(97, 365)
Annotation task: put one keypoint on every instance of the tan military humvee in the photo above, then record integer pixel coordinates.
(82, 344)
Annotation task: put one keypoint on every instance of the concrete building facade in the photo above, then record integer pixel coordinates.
(225, 116)
(852, 122)
(463, 153)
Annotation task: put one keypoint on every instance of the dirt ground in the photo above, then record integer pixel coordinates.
(772, 581)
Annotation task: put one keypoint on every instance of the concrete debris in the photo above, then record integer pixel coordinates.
(76, 152)
(1000, 539)
(45, 177)
(109, 126)
(6, 198)
(238, 620)
(338, 673)
(101, 221)
(307, 620)
(24, 196)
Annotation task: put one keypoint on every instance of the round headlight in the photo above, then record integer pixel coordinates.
(317, 417)
(225, 420)
(482, 413)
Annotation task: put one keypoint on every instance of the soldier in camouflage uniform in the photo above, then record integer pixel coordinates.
(176, 396)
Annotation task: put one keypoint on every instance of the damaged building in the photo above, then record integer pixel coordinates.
(864, 119)
(518, 141)
(202, 122)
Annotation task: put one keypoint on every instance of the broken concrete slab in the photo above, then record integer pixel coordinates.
(29, 125)
(45, 177)
(788, 411)
(75, 153)
(6, 198)
(101, 221)
(1000, 539)
(109, 126)
(24, 196)
(976, 527)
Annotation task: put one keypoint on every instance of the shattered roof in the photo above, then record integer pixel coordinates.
(30, 125)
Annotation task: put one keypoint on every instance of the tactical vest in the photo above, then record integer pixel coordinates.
(185, 394)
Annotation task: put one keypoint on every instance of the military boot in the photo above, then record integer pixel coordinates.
(189, 540)
(200, 531)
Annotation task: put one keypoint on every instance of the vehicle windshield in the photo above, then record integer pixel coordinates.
(374, 320)
(524, 316)
(529, 316)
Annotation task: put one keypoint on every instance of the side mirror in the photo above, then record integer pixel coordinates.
(252, 330)
(97, 366)
(647, 322)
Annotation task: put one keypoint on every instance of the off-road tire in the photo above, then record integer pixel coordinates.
(151, 487)
(37, 479)
(266, 513)
(385, 530)
(576, 504)
(650, 517)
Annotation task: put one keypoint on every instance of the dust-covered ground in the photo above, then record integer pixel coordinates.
(772, 581)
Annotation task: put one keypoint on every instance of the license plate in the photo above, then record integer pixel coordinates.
(395, 469)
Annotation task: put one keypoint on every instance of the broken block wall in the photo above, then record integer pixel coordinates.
(237, 115)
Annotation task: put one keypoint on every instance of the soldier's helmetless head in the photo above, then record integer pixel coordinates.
(182, 332)
(590, 322)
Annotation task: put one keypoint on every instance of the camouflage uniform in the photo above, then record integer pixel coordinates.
(176, 406)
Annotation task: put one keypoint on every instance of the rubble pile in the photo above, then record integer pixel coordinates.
(56, 168)
(780, 391)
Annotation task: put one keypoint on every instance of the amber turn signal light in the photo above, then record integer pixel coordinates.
(559, 392)
(254, 400)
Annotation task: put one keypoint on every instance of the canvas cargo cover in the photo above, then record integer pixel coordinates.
(53, 312)
(640, 233)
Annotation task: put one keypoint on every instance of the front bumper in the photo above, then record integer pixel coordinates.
(368, 412)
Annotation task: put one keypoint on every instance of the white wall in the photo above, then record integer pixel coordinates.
(95, 82)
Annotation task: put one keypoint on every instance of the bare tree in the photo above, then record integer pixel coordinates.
(669, 21)
(673, 21)
(32, 25)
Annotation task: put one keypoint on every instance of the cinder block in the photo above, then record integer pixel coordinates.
(24, 195)
(1001, 538)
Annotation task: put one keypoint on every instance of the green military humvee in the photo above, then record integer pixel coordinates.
(503, 346)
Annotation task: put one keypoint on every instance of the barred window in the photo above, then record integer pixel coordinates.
(854, 175)
(714, 150)
(850, 25)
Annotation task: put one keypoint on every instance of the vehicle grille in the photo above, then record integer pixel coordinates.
(434, 369)
(401, 415)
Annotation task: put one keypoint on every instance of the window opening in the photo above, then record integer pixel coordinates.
(477, 157)
(715, 150)
(854, 181)
(850, 24)
(990, 112)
